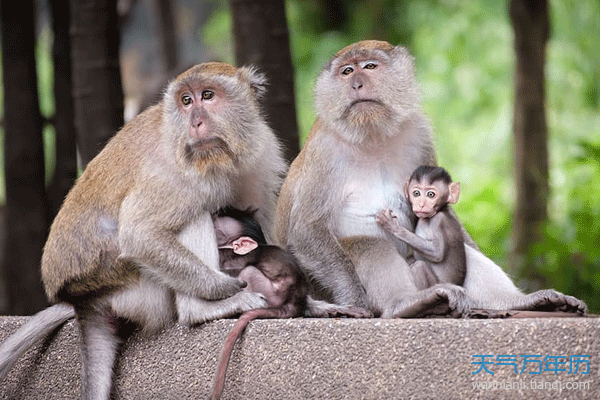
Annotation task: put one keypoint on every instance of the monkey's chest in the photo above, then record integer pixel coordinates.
(364, 196)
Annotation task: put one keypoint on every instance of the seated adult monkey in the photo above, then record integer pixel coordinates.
(370, 134)
(135, 239)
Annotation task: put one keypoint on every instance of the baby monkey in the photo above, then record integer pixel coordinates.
(437, 242)
(268, 270)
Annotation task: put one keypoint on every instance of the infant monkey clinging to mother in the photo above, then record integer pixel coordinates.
(437, 242)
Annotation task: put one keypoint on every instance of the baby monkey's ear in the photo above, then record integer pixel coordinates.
(454, 192)
(244, 245)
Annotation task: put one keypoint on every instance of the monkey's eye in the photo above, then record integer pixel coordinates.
(208, 94)
(186, 100)
(431, 194)
(347, 70)
(370, 65)
(416, 193)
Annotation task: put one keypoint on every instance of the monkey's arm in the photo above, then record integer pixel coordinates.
(433, 250)
(192, 310)
(148, 240)
(327, 264)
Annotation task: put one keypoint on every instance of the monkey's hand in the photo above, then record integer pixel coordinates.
(247, 301)
(388, 220)
(221, 286)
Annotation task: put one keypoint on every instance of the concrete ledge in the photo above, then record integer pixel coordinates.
(323, 359)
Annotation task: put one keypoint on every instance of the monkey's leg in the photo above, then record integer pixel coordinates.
(423, 275)
(441, 299)
(146, 303)
(489, 287)
(192, 310)
(99, 348)
(383, 273)
(323, 309)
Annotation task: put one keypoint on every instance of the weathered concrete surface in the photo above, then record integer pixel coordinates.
(323, 359)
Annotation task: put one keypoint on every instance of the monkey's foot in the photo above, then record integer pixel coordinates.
(551, 300)
(350, 312)
(486, 313)
(324, 309)
(438, 300)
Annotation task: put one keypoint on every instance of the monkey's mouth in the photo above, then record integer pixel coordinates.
(204, 148)
(364, 101)
(423, 214)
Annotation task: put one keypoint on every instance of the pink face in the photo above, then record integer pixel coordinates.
(427, 197)
(227, 229)
(199, 103)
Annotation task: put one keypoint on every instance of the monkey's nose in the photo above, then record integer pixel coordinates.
(357, 83)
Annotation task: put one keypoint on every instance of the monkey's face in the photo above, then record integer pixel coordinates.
(212, 112)
(427, 198)
(367, 89)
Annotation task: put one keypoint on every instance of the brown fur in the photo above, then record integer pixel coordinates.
(134, 238)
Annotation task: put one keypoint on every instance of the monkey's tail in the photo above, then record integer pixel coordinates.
(232, 337)
(37, 328)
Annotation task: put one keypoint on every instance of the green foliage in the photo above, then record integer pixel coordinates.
(569, 255)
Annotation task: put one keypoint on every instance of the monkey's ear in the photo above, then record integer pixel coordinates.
(244, 245)
(406, 191)
(454, 192)
(256, 80)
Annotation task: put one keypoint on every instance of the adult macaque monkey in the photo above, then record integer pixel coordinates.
(438, 244)
(134, 238)
(370, 134)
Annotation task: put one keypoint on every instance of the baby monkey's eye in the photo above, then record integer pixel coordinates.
(416, 193)
(431, 194)
(208, 94)
(186, 100)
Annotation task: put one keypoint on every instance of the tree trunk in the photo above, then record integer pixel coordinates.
(165, 31)
(97, 88)
(531, 26)
(23, 162)
(262, 39)
(65, 170)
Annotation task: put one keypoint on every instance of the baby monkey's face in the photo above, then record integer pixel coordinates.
(427, 198)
